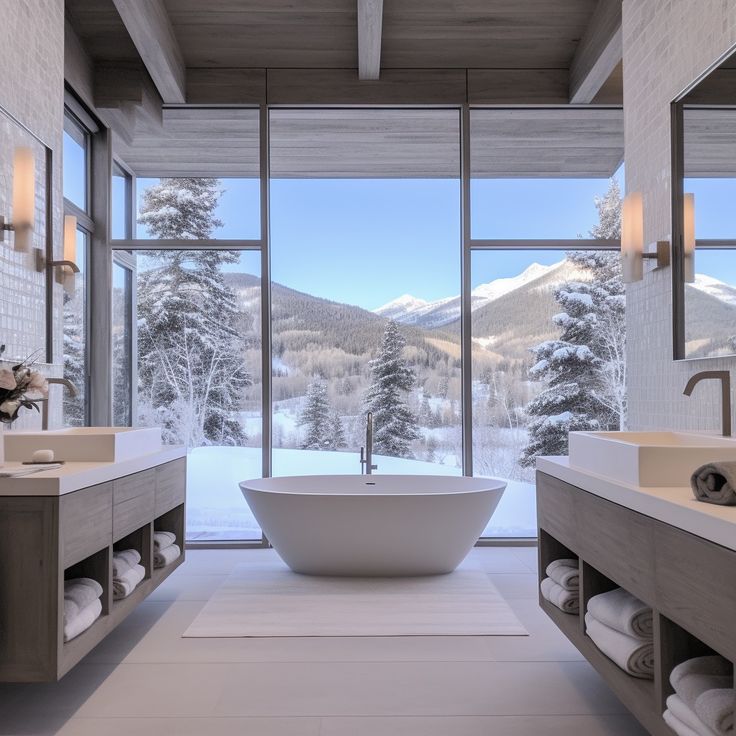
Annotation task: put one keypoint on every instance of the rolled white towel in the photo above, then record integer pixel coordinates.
(164, 557)
(124, 585)
(715, 709)
(565, 572)
(161, 540)
(566, 600)
(78, 593)
(124, 560)
(634, 656)
(624, 612)
(83, 620)
(676, 705)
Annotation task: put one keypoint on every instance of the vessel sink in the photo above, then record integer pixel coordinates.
(85, 444)
(653, 459)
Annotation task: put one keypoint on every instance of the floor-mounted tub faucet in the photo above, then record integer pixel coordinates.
(725, 378)
(45, 413)
(366, 453)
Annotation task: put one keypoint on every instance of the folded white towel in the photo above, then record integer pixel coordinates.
(565, 572)
(124, 560)
(161, 540)
(624, 612)
(78, 593)
(164, 557)
(711, 664)
(83, 620)
(633, 655)
(679, 727)
(124, 585)
(715, 709)
(676, 705)
(566, 600)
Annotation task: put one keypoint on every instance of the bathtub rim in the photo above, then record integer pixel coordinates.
(486, 484)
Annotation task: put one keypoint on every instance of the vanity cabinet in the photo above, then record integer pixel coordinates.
(47, 539)
(689, 582)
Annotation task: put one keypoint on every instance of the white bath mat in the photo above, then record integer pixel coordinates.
(263, 598)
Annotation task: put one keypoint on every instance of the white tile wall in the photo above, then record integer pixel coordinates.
(667, 44)
(32, 90)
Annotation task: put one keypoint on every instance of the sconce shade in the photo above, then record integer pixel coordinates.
(24, 197)
(70, 238)
(688, 237)
(632, 237)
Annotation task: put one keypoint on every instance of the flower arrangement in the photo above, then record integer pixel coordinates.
(21, 387)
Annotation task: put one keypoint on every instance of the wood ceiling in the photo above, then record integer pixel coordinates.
(294, 52)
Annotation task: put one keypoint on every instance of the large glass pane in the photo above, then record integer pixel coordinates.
(75, 337)
(121, 204)
(365, 246)
(548, 357)
(199, 365)
(534, 173)
(75, 163)
(122, 345)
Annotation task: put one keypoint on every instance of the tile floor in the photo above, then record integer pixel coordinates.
(145, 680)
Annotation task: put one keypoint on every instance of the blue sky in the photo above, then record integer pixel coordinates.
(369, 241)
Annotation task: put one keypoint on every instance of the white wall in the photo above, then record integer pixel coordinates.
(667, 44)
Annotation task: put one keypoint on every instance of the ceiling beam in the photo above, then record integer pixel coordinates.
(370, 23)
(149, 27)
(598, 54)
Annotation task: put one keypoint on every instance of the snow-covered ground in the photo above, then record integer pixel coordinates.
(216, 507)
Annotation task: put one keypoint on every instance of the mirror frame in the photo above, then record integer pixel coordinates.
(677, 185)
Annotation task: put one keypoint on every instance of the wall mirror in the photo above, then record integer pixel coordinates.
(22, 288)
(704, 215)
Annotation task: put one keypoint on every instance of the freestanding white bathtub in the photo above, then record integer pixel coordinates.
(373, 525)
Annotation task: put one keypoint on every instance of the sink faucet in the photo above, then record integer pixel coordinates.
(366, 453)
(45, 413)
(725, 378)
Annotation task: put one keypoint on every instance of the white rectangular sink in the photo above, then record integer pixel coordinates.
(85, 444)
(649, 459)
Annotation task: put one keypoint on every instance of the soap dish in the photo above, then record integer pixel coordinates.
(43, 462)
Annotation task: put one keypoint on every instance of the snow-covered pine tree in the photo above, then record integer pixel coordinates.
(74, 364)
(337, 433)
(394, 425)
(316, 417)
(584, 371)
(192, 372)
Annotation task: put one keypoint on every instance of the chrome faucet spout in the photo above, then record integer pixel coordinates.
(366, 453)
(725, 378)
(55, 381)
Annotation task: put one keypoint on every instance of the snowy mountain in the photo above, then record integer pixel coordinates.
(713, 287)
(410, 310)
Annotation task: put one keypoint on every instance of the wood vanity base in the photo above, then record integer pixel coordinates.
(689, 582)
(45, 539)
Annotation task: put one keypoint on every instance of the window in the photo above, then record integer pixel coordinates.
(76, 163)
(198, 376)
(122, 343)
(121, 193)
(365, 246)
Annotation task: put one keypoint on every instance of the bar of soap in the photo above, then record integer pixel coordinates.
(43, 456)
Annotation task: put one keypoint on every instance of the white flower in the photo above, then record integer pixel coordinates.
(7, 379)
(38, 384)
(10, 407)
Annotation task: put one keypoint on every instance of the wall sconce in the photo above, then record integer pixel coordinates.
(632, 241)
(688, 237)
(67, 267)
(24, 200)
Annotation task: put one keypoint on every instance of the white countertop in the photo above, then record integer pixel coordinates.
(674, 506)
(72, 477)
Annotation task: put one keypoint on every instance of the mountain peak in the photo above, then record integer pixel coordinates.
(400, 305)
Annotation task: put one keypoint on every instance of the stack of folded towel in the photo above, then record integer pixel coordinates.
(82, 605)
(165, 549)
(127, 572)
(621, 626)
(703, 703)
(561, 587)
